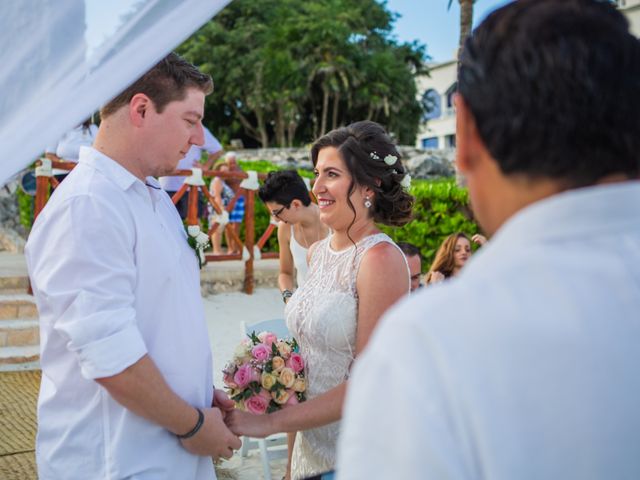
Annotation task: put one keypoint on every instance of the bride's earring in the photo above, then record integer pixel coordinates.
(367, 202)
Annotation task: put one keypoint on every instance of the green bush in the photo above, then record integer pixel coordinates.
(441, 208)
(265, 166)
(25, 206)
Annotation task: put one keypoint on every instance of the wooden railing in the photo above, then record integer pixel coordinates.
(252, 249)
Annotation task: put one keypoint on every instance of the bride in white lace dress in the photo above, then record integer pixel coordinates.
(354, 276)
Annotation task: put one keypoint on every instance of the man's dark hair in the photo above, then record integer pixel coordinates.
(554, 88)
(166, 82)
(409, 249)
(284, 187)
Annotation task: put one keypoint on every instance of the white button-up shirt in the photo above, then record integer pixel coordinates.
(114, 279)
(523, 367)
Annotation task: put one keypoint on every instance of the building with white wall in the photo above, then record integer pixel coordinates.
(631, 9)
(439, 128)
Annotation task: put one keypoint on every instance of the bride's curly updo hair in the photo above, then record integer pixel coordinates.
(364, 146)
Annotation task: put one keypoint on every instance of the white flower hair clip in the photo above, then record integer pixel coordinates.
(406, 181)
(390, 160)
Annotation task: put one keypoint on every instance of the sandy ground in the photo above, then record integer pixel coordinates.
(225, 313)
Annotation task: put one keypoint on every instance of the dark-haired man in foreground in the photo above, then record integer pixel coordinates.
(127, 384)
(526, 365)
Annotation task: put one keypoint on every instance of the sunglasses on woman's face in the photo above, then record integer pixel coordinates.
(276, 213)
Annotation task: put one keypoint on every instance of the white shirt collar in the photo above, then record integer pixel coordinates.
(583, 211)
(108, 167)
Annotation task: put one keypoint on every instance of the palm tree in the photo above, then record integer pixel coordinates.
(466, 22)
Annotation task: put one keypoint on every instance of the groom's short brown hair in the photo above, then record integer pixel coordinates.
(167, 81)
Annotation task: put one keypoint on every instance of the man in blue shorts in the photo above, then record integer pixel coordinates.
(237, 214)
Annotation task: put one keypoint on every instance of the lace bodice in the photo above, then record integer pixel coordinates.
(322, 316)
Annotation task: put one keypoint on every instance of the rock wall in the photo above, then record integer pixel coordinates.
(426, 164)
(12, 233)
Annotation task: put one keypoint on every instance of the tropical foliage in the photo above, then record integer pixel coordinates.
(287, 71)
(441, 208)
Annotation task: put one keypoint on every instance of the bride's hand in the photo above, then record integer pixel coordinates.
(244, 423)
(222, 401)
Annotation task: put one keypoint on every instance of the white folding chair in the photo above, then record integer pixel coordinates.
(274, 446)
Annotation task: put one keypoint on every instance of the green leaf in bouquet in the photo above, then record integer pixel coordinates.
(254, 338)
(246, 393)
(239, 396)
(254, 387)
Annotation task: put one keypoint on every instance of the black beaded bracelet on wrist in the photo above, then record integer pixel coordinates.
(195, 429)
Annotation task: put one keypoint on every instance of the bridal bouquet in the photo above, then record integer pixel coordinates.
(266, 374)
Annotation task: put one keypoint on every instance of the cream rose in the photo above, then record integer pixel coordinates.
(287, 377)
(284, 348)
(277, 363)
(242, 353)
(300, 385)
(280, 396)
(268, 380)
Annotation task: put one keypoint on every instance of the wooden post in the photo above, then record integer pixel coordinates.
(249, 229)
(192, 212)
(265, 236)
(42, 195)
(178, 195)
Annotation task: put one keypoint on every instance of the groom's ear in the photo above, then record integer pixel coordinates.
(139, 107)
(469, 145)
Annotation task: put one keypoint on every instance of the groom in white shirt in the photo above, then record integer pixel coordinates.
(127, 387)
(525, 366)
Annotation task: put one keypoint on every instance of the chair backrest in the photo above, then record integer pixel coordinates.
(276, 326)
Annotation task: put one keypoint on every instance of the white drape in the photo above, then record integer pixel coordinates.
(62, 59)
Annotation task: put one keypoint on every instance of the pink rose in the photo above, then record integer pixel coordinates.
(268, 338)
(265, 394)
(295, 362)
(245, 375)
(261, 352)
(256, 404)
(293, 398)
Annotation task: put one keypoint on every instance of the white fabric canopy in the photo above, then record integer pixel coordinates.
(62, 59)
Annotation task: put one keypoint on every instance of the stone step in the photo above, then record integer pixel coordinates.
(12, 358)
(228, 276)
(17, 306)
(13, 284)
(19, 332)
